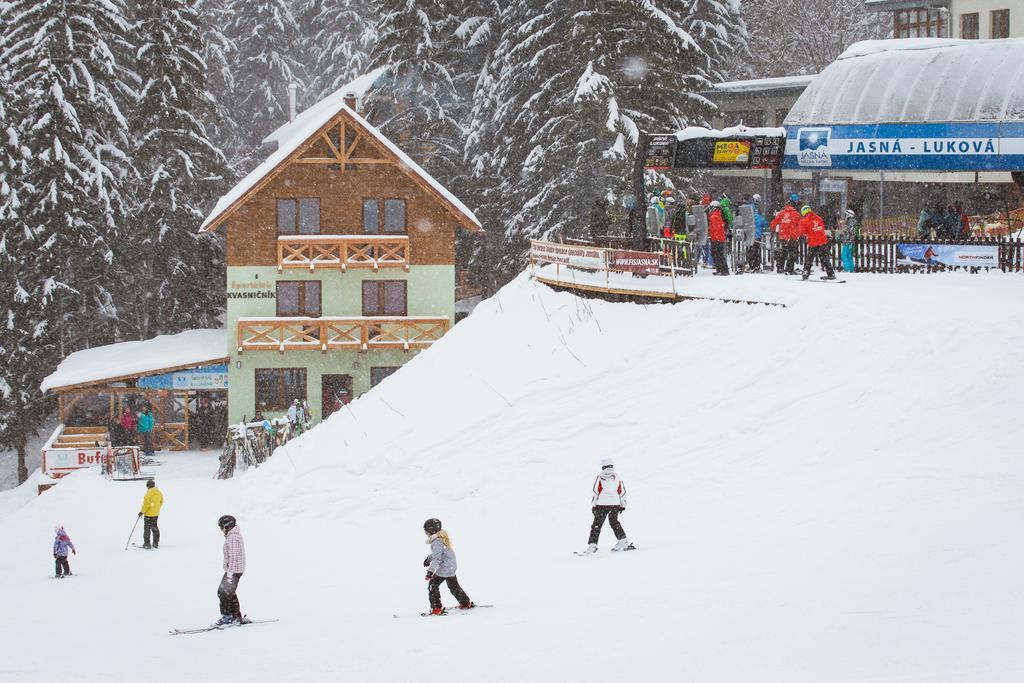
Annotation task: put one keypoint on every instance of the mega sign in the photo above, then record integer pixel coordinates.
(908, 146)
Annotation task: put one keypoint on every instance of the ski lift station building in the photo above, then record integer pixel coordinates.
(890, 117)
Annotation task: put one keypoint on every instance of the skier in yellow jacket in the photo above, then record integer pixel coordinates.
(151, 505)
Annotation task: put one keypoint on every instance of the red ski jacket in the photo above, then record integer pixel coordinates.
(716, 226)
(787, 223)
(813, 227)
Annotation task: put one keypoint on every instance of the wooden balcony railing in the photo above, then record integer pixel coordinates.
(324, 334)
(342, 251)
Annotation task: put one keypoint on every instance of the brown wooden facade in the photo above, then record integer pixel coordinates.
(341, 177)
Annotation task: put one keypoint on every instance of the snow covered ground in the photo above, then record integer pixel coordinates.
(828, 491)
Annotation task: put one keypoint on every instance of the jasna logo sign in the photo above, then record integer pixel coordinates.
(813, 147)
(952, 146)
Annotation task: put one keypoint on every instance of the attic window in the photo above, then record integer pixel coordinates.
(393, 211)
(298, 216)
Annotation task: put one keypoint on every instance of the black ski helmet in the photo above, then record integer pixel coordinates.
(226, 522)
(150, 484)
(432, 525)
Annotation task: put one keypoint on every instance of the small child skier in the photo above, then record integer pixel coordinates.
(441, 567)
(609, 500)
(61, 544)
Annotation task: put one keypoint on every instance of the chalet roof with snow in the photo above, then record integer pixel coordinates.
(917, 80)
(128, 360)
(308, 130)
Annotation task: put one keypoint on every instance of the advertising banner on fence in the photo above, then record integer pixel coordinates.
(979, 256)
(634, 261)
(567, 254)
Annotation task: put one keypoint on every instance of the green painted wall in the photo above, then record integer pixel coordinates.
(430, 292)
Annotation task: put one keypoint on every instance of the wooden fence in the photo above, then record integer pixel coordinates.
(877, 254)
(872, 253)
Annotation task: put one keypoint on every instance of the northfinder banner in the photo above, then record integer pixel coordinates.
(947, 255)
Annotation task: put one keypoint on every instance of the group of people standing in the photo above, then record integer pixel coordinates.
(134, 428)
(790, 226)
(785, 231)
(944, 223)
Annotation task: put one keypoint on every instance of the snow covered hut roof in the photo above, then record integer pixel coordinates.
(332, 103)
(161, 354)
(765, 84)
(917, 80)
(695, 132)
(295, 143)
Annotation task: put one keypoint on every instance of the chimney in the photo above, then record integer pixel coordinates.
(350, 101)
(292, 88)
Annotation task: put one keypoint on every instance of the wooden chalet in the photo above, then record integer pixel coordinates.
(340, 264)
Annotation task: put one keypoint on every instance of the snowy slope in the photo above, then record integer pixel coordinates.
(823, 492)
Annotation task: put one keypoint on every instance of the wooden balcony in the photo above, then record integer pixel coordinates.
(325, 334)
(342, 252)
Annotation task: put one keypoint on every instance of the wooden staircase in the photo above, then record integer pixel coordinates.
(81, 437)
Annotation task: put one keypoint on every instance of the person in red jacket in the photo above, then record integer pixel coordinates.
(813, 228)
(716, 230)
(786, 228)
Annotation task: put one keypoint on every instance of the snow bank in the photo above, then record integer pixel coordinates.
(917, 80)
(823, 492)
(194, 347)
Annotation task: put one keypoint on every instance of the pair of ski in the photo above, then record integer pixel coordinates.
(214, 627)
(584, 553)
(820, 279)
(447, 612)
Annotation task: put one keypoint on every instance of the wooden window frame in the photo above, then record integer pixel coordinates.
(297, 230)
(281, 395)
(303, 309)
(382, 298)
(362, 211)
(382, 214)
(992, 23)
(392, 368)
(916, 23)
(964, 19)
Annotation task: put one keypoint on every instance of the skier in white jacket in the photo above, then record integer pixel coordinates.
(609, 501)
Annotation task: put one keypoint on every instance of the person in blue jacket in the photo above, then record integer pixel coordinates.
(146, 425)
(754, 250)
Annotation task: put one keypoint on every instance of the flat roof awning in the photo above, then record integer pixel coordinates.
(130, 360)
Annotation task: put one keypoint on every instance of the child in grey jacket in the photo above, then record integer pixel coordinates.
(441, 568)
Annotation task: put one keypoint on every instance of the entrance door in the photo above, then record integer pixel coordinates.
(336, 392)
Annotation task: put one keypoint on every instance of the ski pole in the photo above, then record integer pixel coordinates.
(132, 533)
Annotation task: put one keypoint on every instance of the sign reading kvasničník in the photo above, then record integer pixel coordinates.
(624, 260)
(567, 255)
(965, 255)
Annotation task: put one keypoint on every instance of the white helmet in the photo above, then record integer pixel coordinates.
(756, 199)
(849, 213)
(715, 204)
(607, 462)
